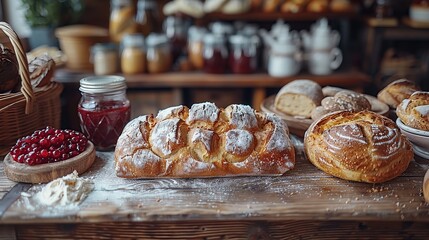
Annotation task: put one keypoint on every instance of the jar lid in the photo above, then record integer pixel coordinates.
(155, 39)
(146, 4)
(221, 28)
(102, 84)
(196, 33)
(120, 2)
(211, 38)
(133, 40)
(104, 47)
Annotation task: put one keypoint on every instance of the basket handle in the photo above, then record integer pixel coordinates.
(26, 88)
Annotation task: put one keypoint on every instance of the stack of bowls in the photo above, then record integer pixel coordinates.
(419, 139)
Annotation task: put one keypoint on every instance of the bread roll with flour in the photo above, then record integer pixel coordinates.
(204, 141)
(414, 111)
(299, 98)
(394, 93)
(362, 146)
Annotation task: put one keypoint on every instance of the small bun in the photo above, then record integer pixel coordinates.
(396, 91)
(342, 100)
(362, 146)
(414, 111)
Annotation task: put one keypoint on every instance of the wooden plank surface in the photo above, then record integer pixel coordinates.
(304, 193)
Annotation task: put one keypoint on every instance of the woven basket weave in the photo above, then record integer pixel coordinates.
(23, 112)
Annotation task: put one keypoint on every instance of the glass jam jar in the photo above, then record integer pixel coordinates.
(122, 19)
(215, 54)
(243, 55)
(105, 58)
(158, 53)
(195, 46)
(103, 110)
(133, 57)
(147, 16)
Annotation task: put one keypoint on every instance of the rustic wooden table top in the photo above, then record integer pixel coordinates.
(304, 193)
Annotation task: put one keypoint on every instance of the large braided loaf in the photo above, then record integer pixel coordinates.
(204, 141)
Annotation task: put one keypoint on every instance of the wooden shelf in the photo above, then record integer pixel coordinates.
(261, 16)
(347, 79)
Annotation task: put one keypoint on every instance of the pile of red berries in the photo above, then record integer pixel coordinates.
(48, 145)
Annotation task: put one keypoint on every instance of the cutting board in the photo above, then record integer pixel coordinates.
(426, 186)
(42, 173)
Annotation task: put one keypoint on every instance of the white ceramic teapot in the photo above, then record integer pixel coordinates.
(285, 56)
(320, 36)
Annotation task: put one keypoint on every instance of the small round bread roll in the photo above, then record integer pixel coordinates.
(346, 100)
(414, 111)
(299, 98)
(362, 146)
(396, 91)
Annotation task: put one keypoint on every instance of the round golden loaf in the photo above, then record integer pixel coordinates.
(414, 111)
(362, 146)
(204, 141)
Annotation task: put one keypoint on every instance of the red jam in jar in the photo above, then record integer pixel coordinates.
(243, 54)
(215, 54)
(104, 110)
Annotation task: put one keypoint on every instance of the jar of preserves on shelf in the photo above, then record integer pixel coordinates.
(176, 29)
(133, 57)
(195, 46)
(122, 19)
(103, 110)
(158, 53)
(215, 54)
(147, 17)
(104, 56)
(243, 55)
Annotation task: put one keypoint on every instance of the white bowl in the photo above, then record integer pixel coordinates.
(417, 139)
(409, 129)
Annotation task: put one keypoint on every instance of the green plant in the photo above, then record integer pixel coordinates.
(52, 13)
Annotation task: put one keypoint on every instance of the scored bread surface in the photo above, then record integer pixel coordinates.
(204, 141)
(362, 146)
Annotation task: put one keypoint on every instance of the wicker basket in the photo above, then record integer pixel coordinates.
(23, 112)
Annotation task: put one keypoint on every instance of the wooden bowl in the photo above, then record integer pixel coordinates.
(20, 172)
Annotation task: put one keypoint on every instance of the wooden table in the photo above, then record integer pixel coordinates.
(305, 203)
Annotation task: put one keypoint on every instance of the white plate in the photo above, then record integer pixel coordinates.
(421, 152)
(404, 127)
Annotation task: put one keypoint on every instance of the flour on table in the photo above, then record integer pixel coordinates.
(68, 190)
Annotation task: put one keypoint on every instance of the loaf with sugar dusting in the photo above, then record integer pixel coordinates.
(394, 93)
(204, 141)
(362, 146)
(414, 111)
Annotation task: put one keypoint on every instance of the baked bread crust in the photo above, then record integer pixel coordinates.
(414, 111)
(342, 100)
(362, 146)
(204, 141)
(299, 98)
(394, 93)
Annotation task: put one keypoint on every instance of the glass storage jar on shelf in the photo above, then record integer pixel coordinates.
(147, 17)
(158, 53)
(122, 19)
(195, 46)
(103, 110)
(133, 56)
(243, 55)
(215, 54)
(176, 29)
(104, 56)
